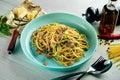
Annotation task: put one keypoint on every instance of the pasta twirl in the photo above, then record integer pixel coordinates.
(60, 42)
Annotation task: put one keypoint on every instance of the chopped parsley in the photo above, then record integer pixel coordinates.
(4, 28)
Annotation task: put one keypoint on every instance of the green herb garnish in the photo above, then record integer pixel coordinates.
(55, 46)
(45, 51)
(53, 24)
(76, 37)
(76, 44)
(58, 54)
(64, 42)
(0, 18)
(4, 28)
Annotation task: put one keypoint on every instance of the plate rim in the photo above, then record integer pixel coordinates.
(60, 68)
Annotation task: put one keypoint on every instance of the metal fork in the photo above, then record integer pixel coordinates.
(97, 66)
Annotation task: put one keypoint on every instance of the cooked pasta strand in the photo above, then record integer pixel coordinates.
(60, 42)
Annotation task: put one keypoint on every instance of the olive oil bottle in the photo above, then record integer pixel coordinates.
(108, 18)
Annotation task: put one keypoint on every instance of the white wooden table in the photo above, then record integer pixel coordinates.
(17, 67)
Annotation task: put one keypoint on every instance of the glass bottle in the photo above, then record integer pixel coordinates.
(109, 17)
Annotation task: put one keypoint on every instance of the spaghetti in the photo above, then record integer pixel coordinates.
(60, 42)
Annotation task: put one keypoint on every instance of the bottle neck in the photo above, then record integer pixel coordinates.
(111, 5)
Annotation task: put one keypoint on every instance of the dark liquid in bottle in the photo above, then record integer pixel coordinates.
(108, 20)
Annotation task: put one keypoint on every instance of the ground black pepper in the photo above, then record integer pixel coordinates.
(105, 41)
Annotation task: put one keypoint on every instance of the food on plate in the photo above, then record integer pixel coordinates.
(60, 42)
(21, 15)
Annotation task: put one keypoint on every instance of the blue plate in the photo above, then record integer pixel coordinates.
(68, 19)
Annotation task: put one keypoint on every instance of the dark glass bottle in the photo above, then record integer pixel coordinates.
(108, 18)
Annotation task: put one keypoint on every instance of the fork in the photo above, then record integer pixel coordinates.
(98, 65)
